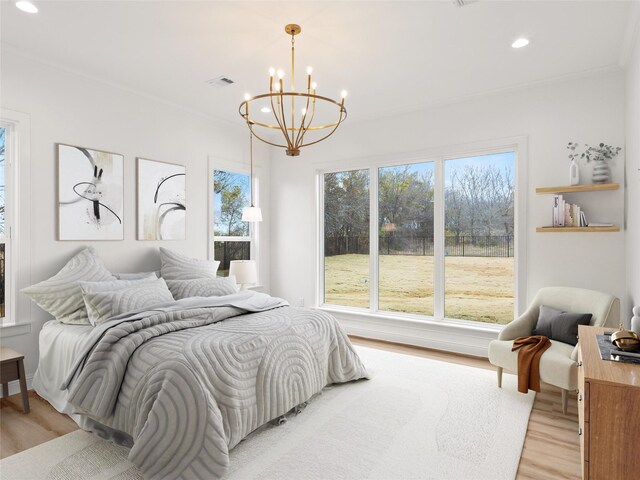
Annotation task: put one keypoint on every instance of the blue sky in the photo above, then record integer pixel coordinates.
(240, 179)
(501, 160)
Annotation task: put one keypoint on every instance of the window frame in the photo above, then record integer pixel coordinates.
(10, 217)
(254, 229)
(518, 145)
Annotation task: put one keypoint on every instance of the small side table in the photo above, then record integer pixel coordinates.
(12, 368)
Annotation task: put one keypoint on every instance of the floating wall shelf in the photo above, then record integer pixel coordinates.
(578, 229)
(596, 187)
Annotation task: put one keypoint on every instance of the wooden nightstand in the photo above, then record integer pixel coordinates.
(12, 368)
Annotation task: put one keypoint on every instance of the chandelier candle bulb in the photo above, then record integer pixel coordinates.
(272, 72)
(280, 74)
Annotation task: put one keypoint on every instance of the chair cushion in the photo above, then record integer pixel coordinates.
(559, 325)
(556, 366)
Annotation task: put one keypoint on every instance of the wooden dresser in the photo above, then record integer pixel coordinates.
(608, 412)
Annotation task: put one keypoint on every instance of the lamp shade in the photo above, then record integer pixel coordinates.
(251, 214)
(244, 270)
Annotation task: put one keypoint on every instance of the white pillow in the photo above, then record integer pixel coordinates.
(61, 295)
(176, 266)
(138, 295)
(112, 285)
(202, 287)
(136, 276)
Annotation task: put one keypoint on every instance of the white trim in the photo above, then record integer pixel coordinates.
(452, 337)
(437, 155)
(19, 212)
(606, 70)
(438, 241)
(374, 263)
(14, 329)
(596, 72)
(56, 65)
(319, 235)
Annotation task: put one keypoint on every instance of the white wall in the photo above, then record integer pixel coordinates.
(633, 179)
(585, 110)
(68, 108)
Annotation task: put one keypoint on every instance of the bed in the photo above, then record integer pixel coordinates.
(183, 384)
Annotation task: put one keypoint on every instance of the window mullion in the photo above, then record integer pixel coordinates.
(320, 291)
(373, 239)
(438, 242)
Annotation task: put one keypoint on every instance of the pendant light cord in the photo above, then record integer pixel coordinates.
(251, 160)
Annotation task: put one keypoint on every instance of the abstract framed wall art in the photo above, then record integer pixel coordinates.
(162, 208)
(90, 194)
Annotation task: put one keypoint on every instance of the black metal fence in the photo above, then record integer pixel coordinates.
(455, 246)
(227, 251)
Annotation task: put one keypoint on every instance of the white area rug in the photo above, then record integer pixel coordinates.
(415, 419)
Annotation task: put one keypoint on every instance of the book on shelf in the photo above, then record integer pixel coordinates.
(583, 220)
(601, 224)
(568, 214)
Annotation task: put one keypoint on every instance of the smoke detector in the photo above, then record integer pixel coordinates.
(221, 81)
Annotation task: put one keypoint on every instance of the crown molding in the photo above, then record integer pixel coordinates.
(7, 47)
(375, 116)
(605, 71)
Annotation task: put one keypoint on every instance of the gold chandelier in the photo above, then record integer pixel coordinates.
(298, 129)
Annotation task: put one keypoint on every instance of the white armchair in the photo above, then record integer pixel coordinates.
(558, 363)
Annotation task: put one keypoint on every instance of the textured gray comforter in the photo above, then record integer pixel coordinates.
(189, 382)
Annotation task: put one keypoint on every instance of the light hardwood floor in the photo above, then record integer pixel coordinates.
(551, 448)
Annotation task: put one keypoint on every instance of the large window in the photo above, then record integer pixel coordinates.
(232, 237)
(479, 238)
(405, 232)
(346, 238)
(444, 244)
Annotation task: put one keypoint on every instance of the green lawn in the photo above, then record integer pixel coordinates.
(476, 288)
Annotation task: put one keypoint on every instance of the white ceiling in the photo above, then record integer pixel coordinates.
(390, 56)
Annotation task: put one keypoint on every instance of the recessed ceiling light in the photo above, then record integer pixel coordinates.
(265, 110)
(27, 7)
(519, 43)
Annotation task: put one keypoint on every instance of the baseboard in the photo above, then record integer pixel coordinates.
(14, 387)
(438, 337)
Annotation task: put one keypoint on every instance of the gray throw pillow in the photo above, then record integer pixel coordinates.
(559, 325)
(176, 266)
(202, 287)
(61, 295)
(139, 295)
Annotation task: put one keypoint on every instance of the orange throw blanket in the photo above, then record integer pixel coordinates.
(530, 351)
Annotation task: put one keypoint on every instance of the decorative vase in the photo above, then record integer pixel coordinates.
(635, 321)
(574, 173)
(600, 172)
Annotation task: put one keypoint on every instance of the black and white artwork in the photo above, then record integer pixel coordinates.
(161, 200)
(90, 194)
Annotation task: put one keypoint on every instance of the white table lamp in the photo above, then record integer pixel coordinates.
(245, 272)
